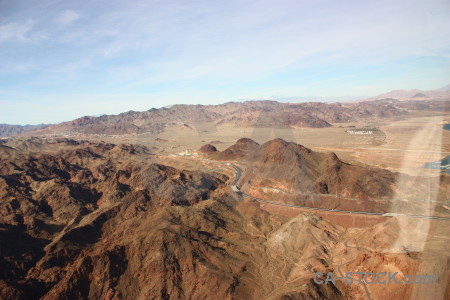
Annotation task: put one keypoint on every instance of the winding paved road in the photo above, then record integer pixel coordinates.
(235, 188)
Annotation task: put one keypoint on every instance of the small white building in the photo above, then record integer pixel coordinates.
(185, 152)
(362, 131)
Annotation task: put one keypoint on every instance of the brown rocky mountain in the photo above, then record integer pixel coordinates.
(241, 149)
(208, 149)
(290, 173)
(84, 220)
(292, 167)
(92, 221)
(297, 168)
(235, 114)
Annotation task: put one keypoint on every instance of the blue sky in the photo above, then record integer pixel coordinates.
(64, 59)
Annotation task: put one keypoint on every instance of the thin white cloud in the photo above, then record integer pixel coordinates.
(16, 31)
(66, 17)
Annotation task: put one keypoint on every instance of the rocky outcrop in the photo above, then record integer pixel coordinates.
(207, 149)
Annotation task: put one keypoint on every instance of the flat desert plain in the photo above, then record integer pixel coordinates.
(401, 144)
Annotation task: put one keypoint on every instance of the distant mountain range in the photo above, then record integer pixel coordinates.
(11, 130)
(297, 99)
(402, 94)
(242, 114)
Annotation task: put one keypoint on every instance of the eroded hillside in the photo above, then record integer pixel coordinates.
(83, 220)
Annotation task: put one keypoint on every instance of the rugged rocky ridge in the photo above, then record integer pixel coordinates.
(236, 114)
(298, 168)
(241, 149)
(102, 221)
(292, 167)
(94, 221)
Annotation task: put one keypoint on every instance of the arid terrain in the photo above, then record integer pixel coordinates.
(235, 150)
(247, 202)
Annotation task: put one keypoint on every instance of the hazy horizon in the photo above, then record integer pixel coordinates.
(281, 99)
